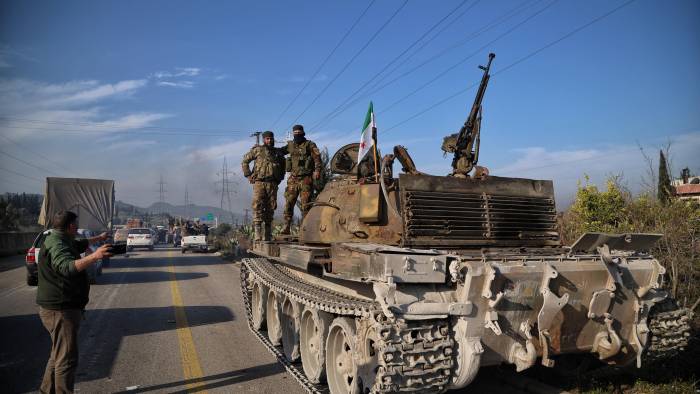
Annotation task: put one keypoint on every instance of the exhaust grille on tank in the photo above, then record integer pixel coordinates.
(467, 219)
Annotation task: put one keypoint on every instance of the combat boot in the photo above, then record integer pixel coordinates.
(267, 233)
(286, 230)
(257, 229)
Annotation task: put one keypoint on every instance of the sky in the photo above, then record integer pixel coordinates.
(133, 91)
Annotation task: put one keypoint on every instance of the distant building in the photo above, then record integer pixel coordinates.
(687, 187)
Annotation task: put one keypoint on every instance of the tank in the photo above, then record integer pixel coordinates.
(413, 282)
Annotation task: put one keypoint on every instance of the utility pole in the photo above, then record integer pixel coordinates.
(225, 187)
(187, 204)
(245, 218)
(161, 196)
(257, 137)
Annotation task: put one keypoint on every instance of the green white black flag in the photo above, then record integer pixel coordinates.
(366, 140)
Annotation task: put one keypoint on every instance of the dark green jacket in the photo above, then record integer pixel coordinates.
(61, 286)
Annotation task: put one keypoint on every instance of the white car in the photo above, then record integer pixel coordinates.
(139, 238)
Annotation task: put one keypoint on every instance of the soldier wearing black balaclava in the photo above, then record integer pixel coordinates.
(303, 165)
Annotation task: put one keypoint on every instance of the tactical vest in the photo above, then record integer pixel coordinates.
(300, 161)
(268, 165)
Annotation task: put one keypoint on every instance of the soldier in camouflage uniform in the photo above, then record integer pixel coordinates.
(268, 172)
(303, 161)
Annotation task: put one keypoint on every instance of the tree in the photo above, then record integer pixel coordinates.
(665, 190)
(9, 216)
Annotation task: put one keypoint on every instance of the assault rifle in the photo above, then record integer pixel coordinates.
(465, 144)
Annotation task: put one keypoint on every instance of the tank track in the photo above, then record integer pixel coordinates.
(670, 330)
(296, 372)
(413, 356)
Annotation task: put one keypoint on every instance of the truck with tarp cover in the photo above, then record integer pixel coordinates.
(91, 199)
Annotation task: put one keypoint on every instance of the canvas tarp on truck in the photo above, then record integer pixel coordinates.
(91, 199)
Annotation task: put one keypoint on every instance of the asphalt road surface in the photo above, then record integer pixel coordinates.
(157, 321)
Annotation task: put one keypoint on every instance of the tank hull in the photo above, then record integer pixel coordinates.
(476, 309)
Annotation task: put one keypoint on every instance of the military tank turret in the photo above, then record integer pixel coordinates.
(414, 282)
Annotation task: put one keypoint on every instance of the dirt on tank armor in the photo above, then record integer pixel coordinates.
(412, 283)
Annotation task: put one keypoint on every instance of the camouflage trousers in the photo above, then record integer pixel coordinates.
(298, 187)
(264, 201)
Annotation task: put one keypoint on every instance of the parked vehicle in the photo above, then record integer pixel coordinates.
(140, 238)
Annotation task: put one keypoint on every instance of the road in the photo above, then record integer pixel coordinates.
(157, 322)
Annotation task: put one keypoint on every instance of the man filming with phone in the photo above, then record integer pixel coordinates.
(62, 294)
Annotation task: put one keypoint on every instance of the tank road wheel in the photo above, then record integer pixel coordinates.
(312, 338)
(341, 348)
(259, 304)
(274, 330)
(368, 360)
(289, 320)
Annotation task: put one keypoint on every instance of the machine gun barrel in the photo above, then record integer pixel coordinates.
(468, 128)
(464, 157)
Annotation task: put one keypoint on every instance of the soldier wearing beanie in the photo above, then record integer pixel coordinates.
(267, 173)
(303, 165)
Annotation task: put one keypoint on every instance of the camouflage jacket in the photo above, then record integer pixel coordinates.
(269, 164)
(304, 158)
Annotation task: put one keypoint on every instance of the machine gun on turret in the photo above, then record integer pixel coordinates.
(465, 144)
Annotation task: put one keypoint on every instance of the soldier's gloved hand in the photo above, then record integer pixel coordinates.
(317, 174)
(251, 179)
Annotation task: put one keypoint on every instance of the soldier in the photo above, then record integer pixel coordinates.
(303, 161)
(268, 172)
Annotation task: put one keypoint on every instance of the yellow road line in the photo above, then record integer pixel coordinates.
(191, 369)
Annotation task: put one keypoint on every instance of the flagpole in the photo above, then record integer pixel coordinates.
(374, 137)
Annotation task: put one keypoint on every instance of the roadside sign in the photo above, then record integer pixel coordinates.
(210, 216)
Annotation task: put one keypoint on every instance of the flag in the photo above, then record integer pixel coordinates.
(366, 139)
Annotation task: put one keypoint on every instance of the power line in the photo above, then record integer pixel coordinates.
(318, 69)
(22, 175)
(565, 36)
(123, 131)
(102, 125)
(38, 154)
(29, 164)
(531, 54)
(15, 183)
(490, 25)
(394, 60)
(423, 45)
(462, 61)
(386, 23)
